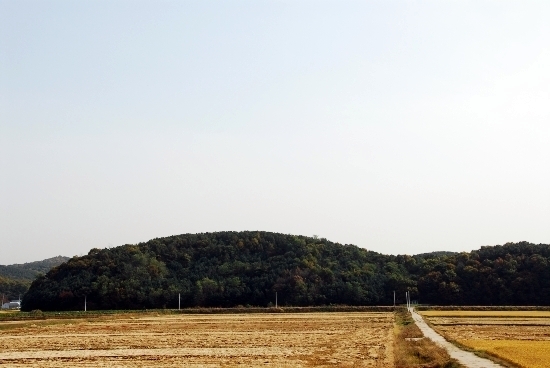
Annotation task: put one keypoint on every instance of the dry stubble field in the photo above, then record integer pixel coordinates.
(520, 337)
(354, 339)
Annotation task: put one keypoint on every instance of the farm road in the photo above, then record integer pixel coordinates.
(465, 358)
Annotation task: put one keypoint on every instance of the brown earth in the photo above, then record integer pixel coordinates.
(479, 328)
(251, 340)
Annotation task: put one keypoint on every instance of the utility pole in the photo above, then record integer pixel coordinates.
(394, 298)
(179, 301)
(275, 299)
(85, 300)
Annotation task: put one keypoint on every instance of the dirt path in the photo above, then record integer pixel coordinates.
(465, 358)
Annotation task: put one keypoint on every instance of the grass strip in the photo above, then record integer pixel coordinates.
(34, 315)
(412, 350)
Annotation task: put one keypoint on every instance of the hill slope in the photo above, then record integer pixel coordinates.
(214, 269)
(11, 289)
(15, 279)
(240, 268)
(29, 271)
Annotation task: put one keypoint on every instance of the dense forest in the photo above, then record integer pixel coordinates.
(247, 268)
(15, 279)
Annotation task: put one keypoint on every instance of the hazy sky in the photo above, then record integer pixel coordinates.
(398, 126)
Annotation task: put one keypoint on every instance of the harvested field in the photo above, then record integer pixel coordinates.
(531, 354)
(520, 337)
(481, 314)
(282, 340)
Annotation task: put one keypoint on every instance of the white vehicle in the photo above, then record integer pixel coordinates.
(14, 304)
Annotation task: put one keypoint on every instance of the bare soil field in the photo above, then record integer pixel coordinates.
(252, 340)
(486, 314)
(519, 337)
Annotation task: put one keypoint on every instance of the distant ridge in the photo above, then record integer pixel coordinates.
(15, 279)
(29, 271)
(436, 254)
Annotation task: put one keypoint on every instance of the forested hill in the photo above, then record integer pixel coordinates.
(11, 289)
(15, 279)
(247, 268)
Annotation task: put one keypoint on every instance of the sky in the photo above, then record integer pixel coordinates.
(402, 127)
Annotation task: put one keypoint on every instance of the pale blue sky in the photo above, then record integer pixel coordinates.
(398, 126)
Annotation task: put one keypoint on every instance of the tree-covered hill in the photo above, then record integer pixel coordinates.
(29, 271)
(11, 289)
(15, 279)
(247, 268)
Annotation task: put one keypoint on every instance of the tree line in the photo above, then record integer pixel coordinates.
(226, 269)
